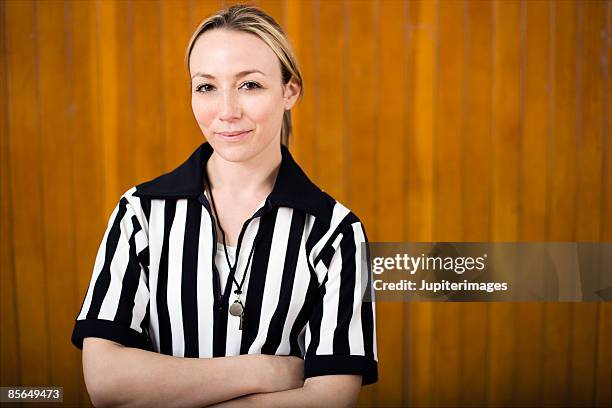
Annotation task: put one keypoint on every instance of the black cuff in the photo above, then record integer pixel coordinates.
(109, 330)
(333, 364)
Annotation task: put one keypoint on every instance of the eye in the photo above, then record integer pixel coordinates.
(204, 88)
(250, 85)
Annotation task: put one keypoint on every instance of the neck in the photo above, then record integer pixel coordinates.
(247, 179)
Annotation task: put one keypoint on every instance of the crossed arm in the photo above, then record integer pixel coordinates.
(121, 376)
(324, 391)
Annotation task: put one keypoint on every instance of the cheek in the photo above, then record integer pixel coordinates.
(202, 111)
(263, 110)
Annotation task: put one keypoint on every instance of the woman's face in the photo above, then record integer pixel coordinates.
(237, 95)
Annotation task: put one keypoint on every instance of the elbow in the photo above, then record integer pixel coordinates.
(100, 374)
(100, 402)
(101, 391)
(99, 396)
(105, 394)
(340, 391)
(108, 388)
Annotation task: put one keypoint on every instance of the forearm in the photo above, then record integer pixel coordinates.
(287, 399)
(333, 391)
(133, 377)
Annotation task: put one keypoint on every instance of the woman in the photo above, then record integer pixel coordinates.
(235, 258)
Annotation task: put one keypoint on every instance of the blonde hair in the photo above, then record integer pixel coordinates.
(252, 20)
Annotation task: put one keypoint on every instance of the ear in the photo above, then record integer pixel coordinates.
(291, 92)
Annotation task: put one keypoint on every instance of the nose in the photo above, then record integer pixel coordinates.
(230, 106)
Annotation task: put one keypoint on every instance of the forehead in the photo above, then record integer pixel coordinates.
(222, 53)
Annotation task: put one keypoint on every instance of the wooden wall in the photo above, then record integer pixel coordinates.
(432, 120)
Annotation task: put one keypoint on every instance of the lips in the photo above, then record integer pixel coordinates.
(234, 133)
(236, 136)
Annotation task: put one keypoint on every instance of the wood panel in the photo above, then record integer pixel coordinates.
(590, 137)
(388, 137)
(25, 170)
(302, 29)
(447, 187)
(506, 131)
(146, 93)
(535, 104)
(361, 103)
(476, 164)
(561, 191)
(55, 88)
(432, 120)
(91, 121)
(9, 364)
(332, 162)
(418, 169)
(177, 22)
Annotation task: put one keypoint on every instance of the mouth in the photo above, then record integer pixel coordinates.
(235, 136)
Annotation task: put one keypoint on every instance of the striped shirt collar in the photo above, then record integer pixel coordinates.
(291, 189)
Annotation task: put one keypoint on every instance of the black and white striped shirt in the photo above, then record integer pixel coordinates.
(155, 286)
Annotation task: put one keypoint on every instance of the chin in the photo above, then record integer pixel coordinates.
(234, 156)
(233, 152)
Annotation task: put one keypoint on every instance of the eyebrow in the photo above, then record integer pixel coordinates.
(238, 75)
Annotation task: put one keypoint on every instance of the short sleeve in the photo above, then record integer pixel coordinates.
(341, 331)
(116, 301)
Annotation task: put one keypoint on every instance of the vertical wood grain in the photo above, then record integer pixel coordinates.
(361, 77)
(602, 393)
(583, 343)
(504, 209)
(507, 126)
(361, 113)
(591, 120)
(557, 331)
(361, 71)
(201, 9)
(89, 119)
(535, 48)
(606, 177)
(389, 135)
(275, 8)
(149, 107)
(303, 32)
(562, 215)
(332, 133)
(536, 122)
(590, 106)
(175, 84)
(448, 189)
(55, 90)
(448, 135)
(126, 141)
(476, 162)
(26, 190)
(562, 193)
(391, 128)
(9, 364)
(478, 121)
(108, 41)
(421, 88)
